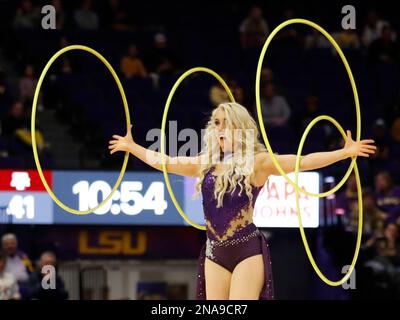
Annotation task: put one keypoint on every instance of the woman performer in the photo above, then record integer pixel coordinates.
(231, 170)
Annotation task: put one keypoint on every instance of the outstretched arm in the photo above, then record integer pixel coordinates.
(312, 161)
(184, 166)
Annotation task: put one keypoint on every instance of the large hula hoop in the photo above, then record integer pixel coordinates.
(33, 127)
(163, 124)
(302, 141)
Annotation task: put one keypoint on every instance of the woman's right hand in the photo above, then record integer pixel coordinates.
(184, 166)
(121, 143)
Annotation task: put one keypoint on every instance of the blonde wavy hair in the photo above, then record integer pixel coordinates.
(241, 164)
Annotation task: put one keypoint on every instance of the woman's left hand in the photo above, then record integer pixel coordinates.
(361, 148)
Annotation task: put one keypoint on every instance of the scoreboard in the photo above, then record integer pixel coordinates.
(141, 199)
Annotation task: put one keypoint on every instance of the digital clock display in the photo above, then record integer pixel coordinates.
(141, 198)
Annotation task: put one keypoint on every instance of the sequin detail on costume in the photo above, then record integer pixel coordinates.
(236, 211)
(211, 244)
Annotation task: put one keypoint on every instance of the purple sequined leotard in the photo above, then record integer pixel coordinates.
(231, 234)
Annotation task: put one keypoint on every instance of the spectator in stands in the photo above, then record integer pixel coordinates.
(27, 84)
(373, 217)
(54, 96)
(381, 137)
(347, 39)
(289, 34)
(16, 125)
(86, 18)
(161, 59)
(387, 194)
(373, 28)
(386, 247)
(132, 65)
(36, 290)
(18, 263)
(117, 18)
(384, 49)
(316, 40)
(217, 93)
(8, 285)
(276, 111)
(254, 29)
(346, 200)
(239, 94)
(27, 16)
(64, 64)
(61, 16)
(165, 57)
(267, 76)
(383, 263)
(15, 119)
(305, 116)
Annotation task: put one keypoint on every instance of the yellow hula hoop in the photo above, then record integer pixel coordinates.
(33, 129)
(163, 124)
(302, 141)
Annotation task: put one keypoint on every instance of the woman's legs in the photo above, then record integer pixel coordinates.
(218, 281)
(247, 279)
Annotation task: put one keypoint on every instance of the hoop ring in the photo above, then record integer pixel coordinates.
(33, 126)
(298, 156)
(163, 125)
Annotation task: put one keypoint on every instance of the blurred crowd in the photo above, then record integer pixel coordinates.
(379, 260)
(19, 279)
(154, 64)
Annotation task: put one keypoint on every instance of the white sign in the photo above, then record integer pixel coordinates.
(276, 205)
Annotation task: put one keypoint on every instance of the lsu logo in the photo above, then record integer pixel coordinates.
(112, 242)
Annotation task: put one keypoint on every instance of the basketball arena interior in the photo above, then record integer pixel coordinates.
(137, 246)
